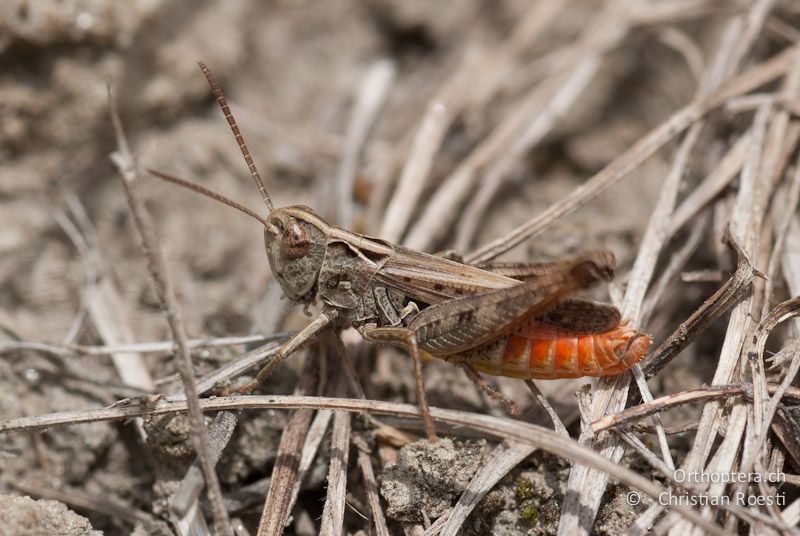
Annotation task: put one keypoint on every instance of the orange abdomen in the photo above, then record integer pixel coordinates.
(536, 351)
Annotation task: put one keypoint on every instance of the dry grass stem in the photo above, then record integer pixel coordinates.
(370, 486)
(499, 427)
(316, 432)
(280, 494)
(333, 512)
(108, 506)
(685, 397)
(646, 454)
(130, 179)
(558, 425)
(233, 369)
(102, 299)
(673, 268)
(671, 10)
(169, 346)
(745, 224)
(72, 349)
(727, 296)
(524, 126)
(479, 77)
(553, 98)
(585, 489)
(729, 167)
(371, 96)
(189, 489)
(638, 153)
(439, 115)
(503, 458)
(764, 416)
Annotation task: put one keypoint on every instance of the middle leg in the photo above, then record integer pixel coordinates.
(407, 339)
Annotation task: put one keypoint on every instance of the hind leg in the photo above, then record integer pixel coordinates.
(489, 390)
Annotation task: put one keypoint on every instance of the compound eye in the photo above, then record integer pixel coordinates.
(294, 241)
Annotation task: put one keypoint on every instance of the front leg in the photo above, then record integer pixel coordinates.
(407, 339)
(324, 320)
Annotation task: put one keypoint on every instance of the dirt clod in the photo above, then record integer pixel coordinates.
(618, 514)
(169, 435)
(428, 478)
(23, 516)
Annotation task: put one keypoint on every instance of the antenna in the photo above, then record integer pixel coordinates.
(216, 90)
(208, 193)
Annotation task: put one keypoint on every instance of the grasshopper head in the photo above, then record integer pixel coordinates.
(295, 241)
(295, 237)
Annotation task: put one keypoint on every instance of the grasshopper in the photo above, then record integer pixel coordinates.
(516, 320)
